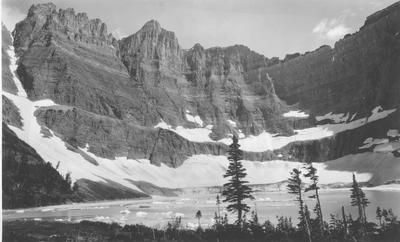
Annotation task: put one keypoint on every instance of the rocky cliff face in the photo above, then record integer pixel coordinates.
(140, 81)
(358, 74)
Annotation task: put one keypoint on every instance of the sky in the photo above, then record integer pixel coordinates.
(269, 27)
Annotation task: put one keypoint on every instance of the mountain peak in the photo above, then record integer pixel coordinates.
(42, 9)
(151, 25)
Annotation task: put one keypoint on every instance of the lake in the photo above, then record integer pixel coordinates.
(159, 210)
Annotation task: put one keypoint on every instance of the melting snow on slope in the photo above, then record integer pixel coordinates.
(296, 114)
(267, 141)
(13, 67)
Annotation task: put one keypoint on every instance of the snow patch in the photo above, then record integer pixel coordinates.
(369, 142)
(195, 135)
(194, 119)
(296, 114)
(232, 123)
(393, 133)
(336, 118)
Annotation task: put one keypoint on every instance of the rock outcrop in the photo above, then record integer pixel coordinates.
(10, 112)
(6, 75)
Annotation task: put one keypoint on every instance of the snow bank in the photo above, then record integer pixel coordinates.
(296, 114)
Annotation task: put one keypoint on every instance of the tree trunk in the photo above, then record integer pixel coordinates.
(303, 214)
(344, 222)
(321, 219)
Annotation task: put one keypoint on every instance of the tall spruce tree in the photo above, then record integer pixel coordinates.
(312, 175)
(359, 200)
(235, 190)
(295, 187)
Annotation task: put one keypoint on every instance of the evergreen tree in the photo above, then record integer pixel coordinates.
(359, 200)
(295, 187)
(312, 174)
(198, 216)
(236, 190)
(379, 215)
(218, 215)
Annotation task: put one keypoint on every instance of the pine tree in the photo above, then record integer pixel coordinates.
(358, 199)
(379, 215)
(295, 187)
(198, 216)
(236, 190)
(218, 215)
(312, 174)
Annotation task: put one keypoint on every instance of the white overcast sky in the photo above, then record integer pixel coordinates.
(270, 27)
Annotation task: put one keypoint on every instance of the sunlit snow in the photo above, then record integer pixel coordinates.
(13, 67)
(296, 114)
(194, 119)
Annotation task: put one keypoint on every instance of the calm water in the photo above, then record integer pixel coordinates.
(158, 211)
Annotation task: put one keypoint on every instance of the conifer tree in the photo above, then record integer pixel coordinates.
(295, 187)
(359, 200)
(198, 216)
(236, 190)
(218, 215)
(312, 175)
(379, 215)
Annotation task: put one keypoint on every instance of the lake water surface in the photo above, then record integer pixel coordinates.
(159, 210)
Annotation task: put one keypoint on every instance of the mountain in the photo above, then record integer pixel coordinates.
(118, 114)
